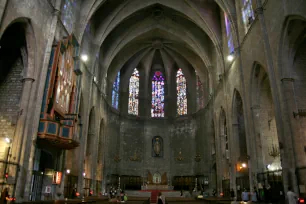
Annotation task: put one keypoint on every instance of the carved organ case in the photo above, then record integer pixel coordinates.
(58, 121)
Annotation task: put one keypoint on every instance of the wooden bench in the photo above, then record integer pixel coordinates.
(70, 201)
(92, 200)
(181, 200)
(134, 199)
(205, 200)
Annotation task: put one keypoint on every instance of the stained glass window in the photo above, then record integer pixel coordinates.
(181, 87)
(230, 42)
(133, 93)
(200, 94)
(158, 95)
(247, 14)
(115, 95)
(68, 14)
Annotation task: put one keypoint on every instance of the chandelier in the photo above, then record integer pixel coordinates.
(179, 156)
(274, 151)
(197, 158)
(117, 158)
(135, 157)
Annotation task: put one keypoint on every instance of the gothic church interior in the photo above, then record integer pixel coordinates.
(141, 95)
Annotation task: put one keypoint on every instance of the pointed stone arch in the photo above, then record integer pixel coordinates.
(239, 152)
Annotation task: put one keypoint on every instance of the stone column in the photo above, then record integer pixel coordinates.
(287, 154)
(234, 152)
(85, 115)
(218, 159)
(93, 158)
(288, 161)
(24, 103)
(25, 174)
(257, 162)
(19, 145)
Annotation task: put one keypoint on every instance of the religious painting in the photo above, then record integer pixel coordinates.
(157, 147)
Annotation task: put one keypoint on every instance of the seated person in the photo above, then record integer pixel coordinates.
(125, 198)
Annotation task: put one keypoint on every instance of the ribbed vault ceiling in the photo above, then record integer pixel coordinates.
(129, 33)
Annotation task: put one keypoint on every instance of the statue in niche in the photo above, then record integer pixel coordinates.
(157, 146)
(157, 178)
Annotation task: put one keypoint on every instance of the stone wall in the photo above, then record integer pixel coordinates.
(10, 93)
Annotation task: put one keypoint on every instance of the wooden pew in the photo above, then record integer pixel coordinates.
(206, 200)
(182, 200)
(134, 199)
(93, 200)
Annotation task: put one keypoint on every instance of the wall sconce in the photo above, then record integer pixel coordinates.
(197, 158)
(179, 157)
(117, 158)
(8, 140)
(84, 58)
(230, 57)
(95, 79)
(135, 157)
(241, 166)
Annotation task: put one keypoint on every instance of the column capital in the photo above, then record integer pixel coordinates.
(289, 79)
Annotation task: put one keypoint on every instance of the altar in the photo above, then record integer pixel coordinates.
(156, 187)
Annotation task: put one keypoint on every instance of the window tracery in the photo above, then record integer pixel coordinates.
(181, 87)
(133, 93)
(247, 14)
(158, 95)
(115, 94)
(68, 13)
(230, 42)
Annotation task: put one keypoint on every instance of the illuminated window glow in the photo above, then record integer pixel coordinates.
(158, 95)
(115, 94)
(181, 87)
(68, 14)
(230, 42)
(247, 14)
(133, 93)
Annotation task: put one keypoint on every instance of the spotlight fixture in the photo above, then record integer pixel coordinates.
(84, 58)
(230, 57)
(7, 140)
(95, 79)
(269, 166)
(84, 174)
(68, 171)
(244, 165)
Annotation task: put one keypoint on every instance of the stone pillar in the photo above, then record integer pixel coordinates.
(219, 160)
(288, 161)
(287, 154)
(257, 162)
(19, 145)
(24, 103)
(234, 152)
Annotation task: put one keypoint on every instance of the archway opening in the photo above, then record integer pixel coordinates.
(239, 137)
